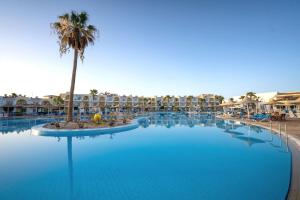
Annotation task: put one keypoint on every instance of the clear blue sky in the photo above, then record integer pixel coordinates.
(155, 47)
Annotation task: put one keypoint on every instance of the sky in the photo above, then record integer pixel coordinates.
(154, 47)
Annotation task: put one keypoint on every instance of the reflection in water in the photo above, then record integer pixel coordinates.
(70, 166)
(170, 120)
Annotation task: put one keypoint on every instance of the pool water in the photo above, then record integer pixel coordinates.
(170, 156)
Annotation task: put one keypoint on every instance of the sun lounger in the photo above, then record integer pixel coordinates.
(292, 115)
(261, 117)
(276, 116)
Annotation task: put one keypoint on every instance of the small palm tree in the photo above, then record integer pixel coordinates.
(250, 97)
(189, 102)
(14, 95)
(21, 102)
(94, 93)
(201, 102)
(219, 98)
(58, 101)
(74, 32)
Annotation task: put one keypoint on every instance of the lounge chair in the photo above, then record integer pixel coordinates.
(261, 117)
(292, 115)
(278, 117)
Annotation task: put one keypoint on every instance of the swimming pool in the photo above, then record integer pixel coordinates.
(169, 156)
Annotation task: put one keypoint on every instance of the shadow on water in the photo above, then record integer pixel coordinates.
(250, 140)
(233, 133)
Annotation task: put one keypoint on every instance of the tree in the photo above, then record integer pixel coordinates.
(14, 95)
(201, 102)
(94, 93)
(250, 97)
(58, 101)
(257, 99)
(189, 102)
(219, 98)
(21, 102)
(74, 33)
(20, 106)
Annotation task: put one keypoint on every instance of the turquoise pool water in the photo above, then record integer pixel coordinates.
(169, 156)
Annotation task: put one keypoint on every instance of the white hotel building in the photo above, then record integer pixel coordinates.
(87, 103)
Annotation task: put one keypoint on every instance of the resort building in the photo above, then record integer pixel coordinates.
(21, 105)
(123, 103)
(269, 102)
(88, 103)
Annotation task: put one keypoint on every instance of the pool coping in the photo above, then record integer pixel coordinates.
(293, 192)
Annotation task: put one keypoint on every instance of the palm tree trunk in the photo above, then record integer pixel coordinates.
(70, 106)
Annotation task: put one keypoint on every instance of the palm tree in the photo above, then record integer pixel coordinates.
(243, 99)
(250, 97)
(257, 99)
(189, 102)
(74, 32)
(14, 95)
(58, 101)
(201, 102)
(21, 103)
(219, 98)
(94, 93)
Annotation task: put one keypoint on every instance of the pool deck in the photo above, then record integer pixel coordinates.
(290, 129)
